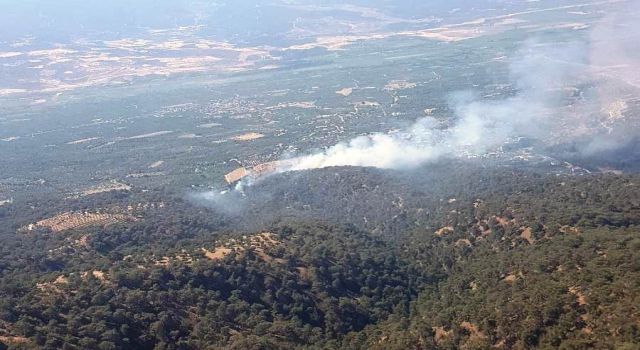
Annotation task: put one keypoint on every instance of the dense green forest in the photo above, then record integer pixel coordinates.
(446, 257)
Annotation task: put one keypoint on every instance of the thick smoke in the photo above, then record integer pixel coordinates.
(615, 64)
(565, 92)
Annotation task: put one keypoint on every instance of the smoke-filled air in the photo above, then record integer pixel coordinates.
(565, 92)
(319, 174)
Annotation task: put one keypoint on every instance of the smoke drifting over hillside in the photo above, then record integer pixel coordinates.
(565, 92)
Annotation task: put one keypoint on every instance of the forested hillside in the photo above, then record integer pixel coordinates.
(339, 258)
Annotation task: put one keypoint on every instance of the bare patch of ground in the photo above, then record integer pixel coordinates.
(569, 230)
(100, 275)
(119, 61)
(141, 175)
(440, 334)
(429, 111)
(463, 242)
(4, 92)
(474, 332)
(527, 235)
(580, 297)
(151, 134)
(303, 272)
(334, 43)
(399, 85)
(510, 278)
(77, 142)
(156, 164)
(217, 253)
(502, 221)
(8, 336)
(297, 104)
(444, 230)
(248, 136)
(10, 54)
(208, 125)
(13, 340)
(52, 287)
(236, 175)
(345, 92)
(104, 187)
(473, 285)
(615, 110)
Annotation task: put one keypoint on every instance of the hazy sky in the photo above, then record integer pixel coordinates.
(237, 20)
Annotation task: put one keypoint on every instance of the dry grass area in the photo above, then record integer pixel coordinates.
(463, 242)
(440, 334)
(527, 235)
(52, 287)
(100, 275)
(447, 34)
(444, 230)
(257, 243)
(304, 272)
(580, 297)
(236, 175)
(504, 222)
(265, 168)
(482, 228)
(474, 332)
(217, 253)
(261, 169)
(117, 61)
(7, 335)
(512, 277)
(452, 33)
(10, 339)
(569, 230)
(76, 220)
(248, 136)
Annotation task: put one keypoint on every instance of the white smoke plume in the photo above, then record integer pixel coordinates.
(565, 91)
(480, 125)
